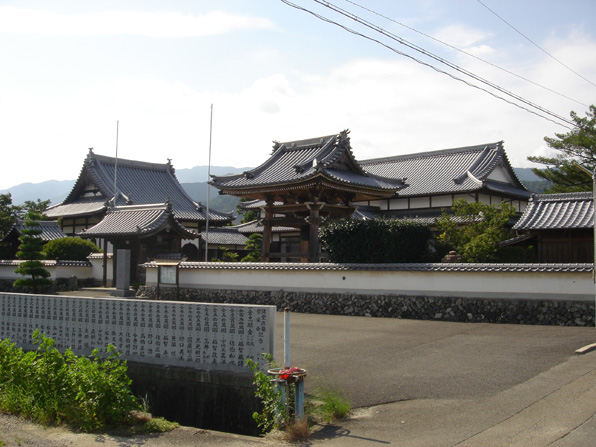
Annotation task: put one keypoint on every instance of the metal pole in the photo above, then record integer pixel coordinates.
(208, 178)
(594, 243)
(116, 164)
(287, 337)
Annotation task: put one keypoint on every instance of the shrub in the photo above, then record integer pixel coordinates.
(273, 415)
(48, 387)
(376, 241)
(70, 249)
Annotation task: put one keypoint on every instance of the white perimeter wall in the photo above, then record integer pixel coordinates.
(65, 269)
(556, 282)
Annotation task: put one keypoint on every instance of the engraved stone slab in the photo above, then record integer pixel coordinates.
(195, 335)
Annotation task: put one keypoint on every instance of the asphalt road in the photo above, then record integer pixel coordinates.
(378, 361)
(424, 384)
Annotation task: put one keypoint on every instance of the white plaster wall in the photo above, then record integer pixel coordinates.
(56, 272)
(490, 284)
(94, 271)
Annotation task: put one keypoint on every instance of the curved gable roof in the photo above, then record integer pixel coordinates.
(300, 161)
(141, 221)
(447, 171)
(137, 183)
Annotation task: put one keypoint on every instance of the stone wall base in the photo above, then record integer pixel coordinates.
(516, 311)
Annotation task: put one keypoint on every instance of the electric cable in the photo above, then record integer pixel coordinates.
(466, 53)
(437, 58)
(535, 44)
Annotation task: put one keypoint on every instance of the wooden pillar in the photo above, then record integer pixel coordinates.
(105, 262)
(314, 220)
(267, 231)
(304, 241)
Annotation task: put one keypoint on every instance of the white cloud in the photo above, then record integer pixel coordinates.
(391, 106)
(461, 36)
(109, 23)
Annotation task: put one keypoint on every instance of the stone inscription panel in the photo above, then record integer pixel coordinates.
(196, 335)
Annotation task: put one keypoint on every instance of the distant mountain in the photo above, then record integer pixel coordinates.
(54, 190)
(526, 174)
(531, 181)
(223, 203)
(193, 180)
(198, 174)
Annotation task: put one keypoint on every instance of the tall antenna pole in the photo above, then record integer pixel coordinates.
(116, 165)
(208, 178)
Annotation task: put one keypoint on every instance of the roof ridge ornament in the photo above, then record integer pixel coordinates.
(170, 166)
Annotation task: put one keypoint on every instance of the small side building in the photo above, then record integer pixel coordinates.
(558, 228)
(49, 231)
(120, 203)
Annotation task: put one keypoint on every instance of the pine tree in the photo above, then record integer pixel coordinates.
(576, 147)
(31, 250)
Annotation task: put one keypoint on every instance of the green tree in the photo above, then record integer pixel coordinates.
(38, 206)
(254, 246)
(476, 229)
(9, 214)
(247, 215)
(577, 146)
(70, 248)
(31, 250)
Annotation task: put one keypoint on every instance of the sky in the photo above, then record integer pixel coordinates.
(154, 80)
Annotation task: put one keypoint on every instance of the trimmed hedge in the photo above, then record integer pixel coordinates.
(376, 241)
(70, 249)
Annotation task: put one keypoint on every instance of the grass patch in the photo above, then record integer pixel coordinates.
(329, 404)
(159, 425)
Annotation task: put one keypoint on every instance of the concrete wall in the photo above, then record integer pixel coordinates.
(564, 282)
(90, 270)
(526, 294)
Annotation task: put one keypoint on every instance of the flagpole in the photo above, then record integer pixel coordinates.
(116, 164)
(208, 178)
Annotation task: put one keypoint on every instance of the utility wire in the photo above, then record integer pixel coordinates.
(535, 44)
(465, 52)
(437, 58)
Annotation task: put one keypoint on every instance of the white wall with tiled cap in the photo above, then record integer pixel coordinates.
(562, 282)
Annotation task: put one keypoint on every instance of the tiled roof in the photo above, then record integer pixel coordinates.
(50, 230)
(224, 236)
(138, 183)
(81, 207)
(48, 263)
(297, 162)
(448, 171)
(257, 227)
(558, 211)
(256, 204)
(366, 212)
(430, 267)
(140, 221)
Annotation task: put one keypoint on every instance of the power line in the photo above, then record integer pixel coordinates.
(535, 44)
(437, 58)
(465, 52)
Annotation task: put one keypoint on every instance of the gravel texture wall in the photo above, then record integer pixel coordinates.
(547, 312)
